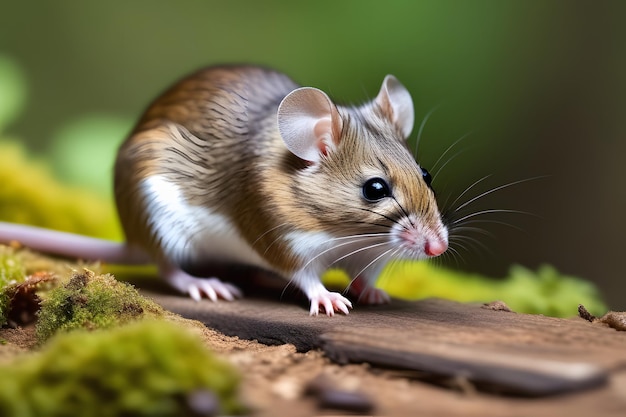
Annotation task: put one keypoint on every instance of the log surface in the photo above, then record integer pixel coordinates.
(519, 354)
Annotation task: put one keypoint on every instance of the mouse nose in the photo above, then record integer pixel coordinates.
(435, 247)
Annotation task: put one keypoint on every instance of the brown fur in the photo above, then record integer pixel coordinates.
(215, 134)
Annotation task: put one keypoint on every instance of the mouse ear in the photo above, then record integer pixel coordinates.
(395, 101)
(309, 123)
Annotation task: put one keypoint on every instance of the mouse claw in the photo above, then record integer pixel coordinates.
(212, 288)
(194, 293)
(331, 301)
(207, 288)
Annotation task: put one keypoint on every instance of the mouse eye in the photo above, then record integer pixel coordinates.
(427, 177)
(376, 189)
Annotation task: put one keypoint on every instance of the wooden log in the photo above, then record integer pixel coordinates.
(518, 354)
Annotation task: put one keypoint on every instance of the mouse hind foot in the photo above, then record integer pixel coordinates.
(197, 288)
(366, 293)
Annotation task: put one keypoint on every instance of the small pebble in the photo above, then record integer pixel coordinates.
(324, 390)
(203, 403)
(497, 306)
(353, 401)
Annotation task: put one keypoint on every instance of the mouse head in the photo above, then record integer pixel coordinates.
(362, 179)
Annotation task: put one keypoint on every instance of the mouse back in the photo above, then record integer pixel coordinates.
(187, 166)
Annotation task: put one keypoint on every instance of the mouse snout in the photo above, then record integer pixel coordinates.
(435, 247)
(420, 239)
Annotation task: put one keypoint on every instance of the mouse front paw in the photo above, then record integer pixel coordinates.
(212, 288)
(331, 302)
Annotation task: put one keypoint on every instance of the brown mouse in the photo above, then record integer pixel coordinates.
(239, 164)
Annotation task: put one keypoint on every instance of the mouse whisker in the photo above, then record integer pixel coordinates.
(269, 231)
(436, 173)
(470, 240)
(372, 262)
(475, 230)
(462, 224)
(468, 189)
(390, 219)
(434, 166)
(454, 254)
(406, 214)
(421, 129)
(358, 236)
(355, 239)
(385, 257)
(492, 221)
(378, 214)
(457, 243)
(437, 261)
(362, 249)
(351, 239)
(497, 189)
(289, 283)
(267, 248)
(481, 212)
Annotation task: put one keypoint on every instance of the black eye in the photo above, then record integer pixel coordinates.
(376, 189)
(427, 178)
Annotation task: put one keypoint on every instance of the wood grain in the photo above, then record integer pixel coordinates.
(511, 353)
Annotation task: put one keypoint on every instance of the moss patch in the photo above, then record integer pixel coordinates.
(30, 194)
(145, 368)
(12, 269)
(25, 278)
(147, 362)
(545, 291)
(89, 301)
(12, 272)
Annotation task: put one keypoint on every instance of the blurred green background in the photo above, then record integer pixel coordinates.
(541, 86)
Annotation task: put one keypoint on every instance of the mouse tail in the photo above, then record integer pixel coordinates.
(71, 245)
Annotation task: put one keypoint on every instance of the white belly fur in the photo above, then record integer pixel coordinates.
(191, 233)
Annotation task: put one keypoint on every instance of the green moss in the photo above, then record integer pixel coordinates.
(26, 277)
(549, 292)
(138, 366)
(545, 292)
(90, 301)
(146, 368)
(12, 271)
(31, 194)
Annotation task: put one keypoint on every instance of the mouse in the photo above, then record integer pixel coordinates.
(239, 164)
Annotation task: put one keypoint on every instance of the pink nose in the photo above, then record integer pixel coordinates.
(435, 247)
